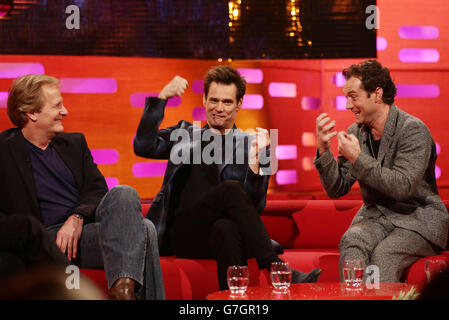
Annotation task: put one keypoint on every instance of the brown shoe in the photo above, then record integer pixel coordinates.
(123, 289)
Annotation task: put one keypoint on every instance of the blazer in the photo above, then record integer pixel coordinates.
(18, 190)
(400, 182)
(150, 142)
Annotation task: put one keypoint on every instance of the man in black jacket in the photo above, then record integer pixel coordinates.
(50, 175)
(214, 187)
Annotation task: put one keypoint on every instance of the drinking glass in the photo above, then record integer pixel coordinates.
(281, 276)
(238, 279)
(433, 267)
(353, 271)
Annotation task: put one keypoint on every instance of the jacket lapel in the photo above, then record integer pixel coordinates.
(21, 155)
(363, 138)
(389, 132)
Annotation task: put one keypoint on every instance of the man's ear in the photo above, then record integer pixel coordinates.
(239, 104)
(379, 94)
(204, 100)
(31, 115)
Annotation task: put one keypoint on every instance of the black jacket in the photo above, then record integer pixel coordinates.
(150, 142)
(17, 187)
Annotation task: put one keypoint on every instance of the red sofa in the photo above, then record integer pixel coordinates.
(308, 230)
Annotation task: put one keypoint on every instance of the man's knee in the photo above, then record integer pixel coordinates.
(124, 193)
(224, 231)
(352, 236)
(388, 264)
(123, 200)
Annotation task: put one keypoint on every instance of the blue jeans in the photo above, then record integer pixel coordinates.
(122, 242)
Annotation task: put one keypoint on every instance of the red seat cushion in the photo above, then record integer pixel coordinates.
(321, 224)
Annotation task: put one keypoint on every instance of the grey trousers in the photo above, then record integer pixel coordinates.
(122, 242)
(376, 241)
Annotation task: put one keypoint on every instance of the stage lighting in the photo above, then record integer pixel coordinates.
(6, 7)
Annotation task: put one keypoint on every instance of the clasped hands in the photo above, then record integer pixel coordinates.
(348, 144)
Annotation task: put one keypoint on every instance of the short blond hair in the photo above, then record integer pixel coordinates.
(25, 96)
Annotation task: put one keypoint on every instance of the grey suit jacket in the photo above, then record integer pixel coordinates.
(400, 183)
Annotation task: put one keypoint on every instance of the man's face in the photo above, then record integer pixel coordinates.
(221, 105)
(49, 119)
(364, 108)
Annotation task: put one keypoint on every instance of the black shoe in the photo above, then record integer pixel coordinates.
(302, 277)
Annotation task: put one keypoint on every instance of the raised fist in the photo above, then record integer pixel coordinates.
(175, 87)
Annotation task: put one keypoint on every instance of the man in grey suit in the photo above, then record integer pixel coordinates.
(392, 155)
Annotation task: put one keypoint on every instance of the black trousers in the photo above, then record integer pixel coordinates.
(225, 226)
(24, 242)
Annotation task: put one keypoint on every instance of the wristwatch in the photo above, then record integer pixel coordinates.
(77, 215)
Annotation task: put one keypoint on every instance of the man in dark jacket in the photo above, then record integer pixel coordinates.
(50, 175)
(214, 187)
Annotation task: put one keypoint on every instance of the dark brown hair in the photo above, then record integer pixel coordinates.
(225, 75)
(373, 75)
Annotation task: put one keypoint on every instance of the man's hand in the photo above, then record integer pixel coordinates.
(259, 145)
(323, 132)
(69, 235)
(175, 87)
(348, 146)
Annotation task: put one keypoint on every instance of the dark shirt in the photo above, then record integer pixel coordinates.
(55, 185)
(192, 181)
(374, 146)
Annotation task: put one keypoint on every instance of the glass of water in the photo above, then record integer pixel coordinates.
(281, 276)
(238, 279)
(353, 271)
(433, 267)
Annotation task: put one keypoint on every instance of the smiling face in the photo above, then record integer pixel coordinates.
(49, 119)
(364, 108)
(221, 106)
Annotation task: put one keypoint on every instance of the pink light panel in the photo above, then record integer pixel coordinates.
(438, 148)
(149, 169)
(105, 156)
(419, 55)
(252, 101)
(284, 177)
(12, 70)
(198, 86)
(419, 32)
(88, 85)
(338, 79)
(199, 114)
(310, 103)
(286, 152)
(381, 43)
(111, 182)
(340, 102)
(437, 172)
(137, 99)
(3, 99)
(418, 91)
(282, 89)
(251, 75)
